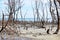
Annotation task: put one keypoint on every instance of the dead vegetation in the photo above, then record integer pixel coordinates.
(11, 25)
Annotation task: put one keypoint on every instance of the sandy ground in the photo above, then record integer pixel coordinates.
(30, 37)
(32, 34)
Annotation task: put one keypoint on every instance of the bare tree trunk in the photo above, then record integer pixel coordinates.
(52, 14)
(43, 18)
(2, 23)
(16, 17)
(34, 15)
(9, 19)
(57, 18)
(37, 11)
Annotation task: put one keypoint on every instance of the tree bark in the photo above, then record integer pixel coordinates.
(56, 32)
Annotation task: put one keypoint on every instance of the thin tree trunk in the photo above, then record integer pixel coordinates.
(2, 23)
(57, 18)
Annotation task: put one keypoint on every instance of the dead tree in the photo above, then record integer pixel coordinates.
(33, 14)
(56, 32)
(42, 20)
(52, 14)
(2, 23)
(24, 23)
(3, 27)
(58, 1)
(37, 10)
(20, 8)
(11, 6)
(37, 5)
(17, 16)
(46, 16)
